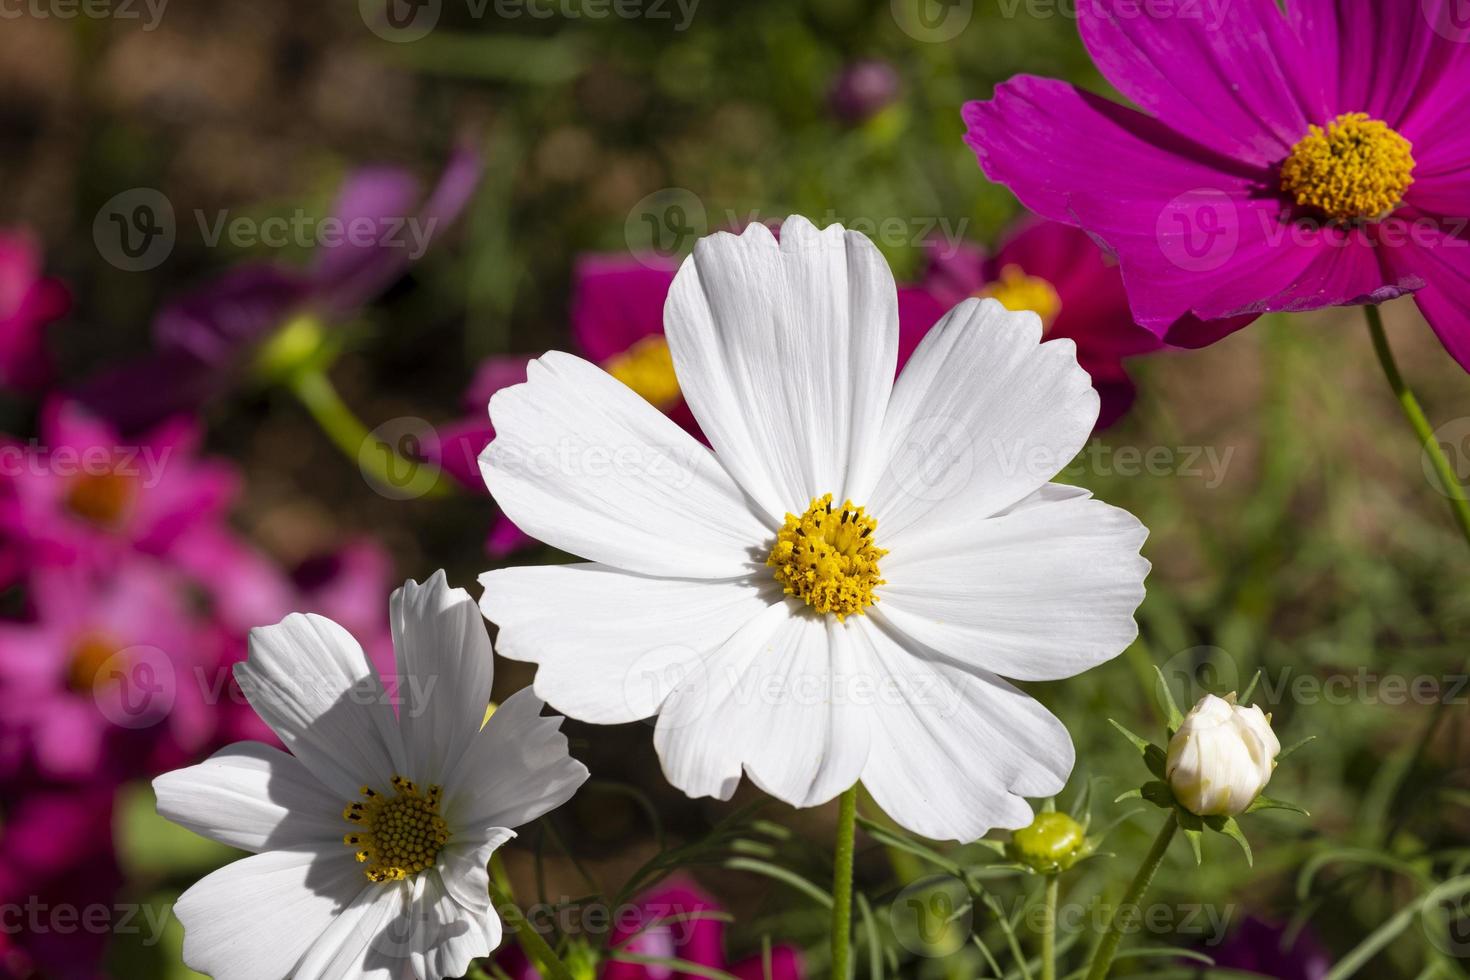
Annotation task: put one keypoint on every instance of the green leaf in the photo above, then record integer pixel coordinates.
(1245, 699)
(1231, 829)
(1140, 743)
(1194, 836)
(1167, 707)
(781, 874)
(1156, 760)
(1266, 803)
(1292, 748)
(1159, 794)
(149, 845)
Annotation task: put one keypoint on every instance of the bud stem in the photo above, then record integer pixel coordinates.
(842, 884)
(1127, 910)
(1049, 931)
(535, 948)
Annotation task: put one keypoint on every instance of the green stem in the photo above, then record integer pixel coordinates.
(1459, 503)
(399, 477)
(1049, 930)
(842, 884)
(1127, 910)
(535, 948)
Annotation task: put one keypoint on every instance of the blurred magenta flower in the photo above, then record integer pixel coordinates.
(862, 89)
(1053, 270)
(1259, 947)
(81, 492)
(56, 855)
(264, 314)
(29, 303)
(671, 922)
(109, 676)
(1282, 161)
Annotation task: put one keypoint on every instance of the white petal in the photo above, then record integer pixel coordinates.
(254, 919)
(251, 796)
(516, 769)
(447, 936)
(785, 353)
(776, 701)
(463, 872)
(954, 751)
(982, 416)
(1042, 592)
(445, 663)
(371, 938)
(309, 680)
(586, 465)
(611, 645)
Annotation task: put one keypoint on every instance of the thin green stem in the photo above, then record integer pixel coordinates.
(1449, 481)
(380, 462)
(842, 857)
(1123, 916)
(535, 948)
(1049, 930)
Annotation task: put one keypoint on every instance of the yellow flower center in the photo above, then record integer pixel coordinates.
(1356, 169)
(399, 835)
(88, 657)
(100, 498)
(827, 558)
(1020, 293)
(648, 368)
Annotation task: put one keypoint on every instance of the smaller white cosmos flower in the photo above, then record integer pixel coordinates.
(835, 593)
(371, 838)
(1222, 757)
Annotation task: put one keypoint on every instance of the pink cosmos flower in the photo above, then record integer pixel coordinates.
(671, 922)
(29, 303)
(105, 679)
(1053, 270)
(82, 492)
(1282, 161)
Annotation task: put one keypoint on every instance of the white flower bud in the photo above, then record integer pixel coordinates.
(1221, 757)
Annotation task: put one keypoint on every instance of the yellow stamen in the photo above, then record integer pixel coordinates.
(1017, 291)
(398, 835)
(1357, 168)
(827, 558)
(101, 498)
(648, 368)
(88, 656)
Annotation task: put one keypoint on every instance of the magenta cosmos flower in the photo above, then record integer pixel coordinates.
(678, 920)
(1282, 161)
(83, 493)
(1055, 271)
(29, 303)
(109, 676)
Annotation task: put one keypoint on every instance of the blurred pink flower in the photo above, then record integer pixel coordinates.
(56, 856)
(83, 493)
(109, 676)
(671, 922)
(1057, 272)
(29, 303)
(862, 89)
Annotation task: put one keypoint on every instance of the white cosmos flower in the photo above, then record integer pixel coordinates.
(956, 564)
(426, 797)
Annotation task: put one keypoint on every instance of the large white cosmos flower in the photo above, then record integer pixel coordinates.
(835, 592)
(371, 839)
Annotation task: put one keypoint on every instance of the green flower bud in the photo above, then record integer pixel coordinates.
(1052, 844)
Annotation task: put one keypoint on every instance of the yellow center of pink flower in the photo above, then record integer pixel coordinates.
(88, 656)
(1356, 169)
(100, 498)
(648, 368)
(399, 835)
(1020, 293)
(827, 558)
